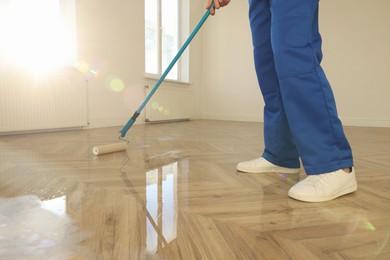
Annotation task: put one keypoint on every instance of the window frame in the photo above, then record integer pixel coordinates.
(183, 32)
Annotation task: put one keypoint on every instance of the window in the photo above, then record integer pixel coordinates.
(166, 23)
(37, 35)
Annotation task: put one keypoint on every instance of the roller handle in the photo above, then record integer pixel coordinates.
(163, 76)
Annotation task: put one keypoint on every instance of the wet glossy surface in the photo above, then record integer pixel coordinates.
(175, 194)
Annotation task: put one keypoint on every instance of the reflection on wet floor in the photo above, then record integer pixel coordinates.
(70, 215)
(161, 188)
(56, 206)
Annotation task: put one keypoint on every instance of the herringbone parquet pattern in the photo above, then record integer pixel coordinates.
(175, 194)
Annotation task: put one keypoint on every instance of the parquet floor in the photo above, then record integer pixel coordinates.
(175, 194)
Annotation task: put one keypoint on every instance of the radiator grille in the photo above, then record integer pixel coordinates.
(170, 104)
(28, 103)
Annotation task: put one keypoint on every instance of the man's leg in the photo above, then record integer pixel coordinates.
(307, 95)
(309, 103)
(280, 148)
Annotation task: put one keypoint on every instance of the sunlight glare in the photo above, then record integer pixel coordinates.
(37, 37)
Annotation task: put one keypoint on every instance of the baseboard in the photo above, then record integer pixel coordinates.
(232, 117)
(347, 121)
(111, 122)
(367, 122)
(37, 131)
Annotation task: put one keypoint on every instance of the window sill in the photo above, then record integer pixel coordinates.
(154, 77)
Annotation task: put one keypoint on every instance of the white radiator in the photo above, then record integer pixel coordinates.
(28, 103)
(170, 103)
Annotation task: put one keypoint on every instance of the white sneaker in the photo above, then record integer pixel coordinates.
(261, 165)
(324, 187)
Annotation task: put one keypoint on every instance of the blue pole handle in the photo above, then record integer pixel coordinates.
(163, 76)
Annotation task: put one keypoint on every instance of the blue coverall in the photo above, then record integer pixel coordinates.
(300, 117)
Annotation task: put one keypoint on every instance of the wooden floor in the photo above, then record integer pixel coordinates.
(175, 194)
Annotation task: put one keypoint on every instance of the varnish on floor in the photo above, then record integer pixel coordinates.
(175, 194)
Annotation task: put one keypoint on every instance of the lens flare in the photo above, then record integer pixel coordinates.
(114, 83)
(82, 66)
(95, 70)
(161, 109)
(291, 179)
(117, 85)
(87, 69)
(368, 225)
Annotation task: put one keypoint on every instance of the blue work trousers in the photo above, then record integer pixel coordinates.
(300, 117)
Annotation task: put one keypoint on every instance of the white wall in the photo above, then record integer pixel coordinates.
(357, 53)
(356, 40)
(110, 36)
(230, 89)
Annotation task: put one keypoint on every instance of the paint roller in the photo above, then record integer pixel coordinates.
(110, 148)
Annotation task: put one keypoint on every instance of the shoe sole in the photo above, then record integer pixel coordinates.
(345, 191)
(269, 170)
